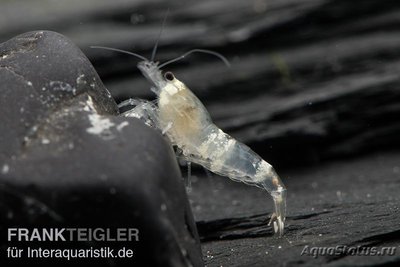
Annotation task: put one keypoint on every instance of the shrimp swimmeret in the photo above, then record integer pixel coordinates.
(186, 122)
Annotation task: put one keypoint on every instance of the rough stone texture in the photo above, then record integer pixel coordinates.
(313, 84)
(342, 203)
(67, 160)
(36, 79)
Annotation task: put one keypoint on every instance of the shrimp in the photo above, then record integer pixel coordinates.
(182, 117)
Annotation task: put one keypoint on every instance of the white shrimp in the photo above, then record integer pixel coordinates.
(188, 125)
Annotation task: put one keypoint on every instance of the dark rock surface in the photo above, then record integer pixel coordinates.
(313, 84)
(346, 203)
(67, 160)
(36, 79)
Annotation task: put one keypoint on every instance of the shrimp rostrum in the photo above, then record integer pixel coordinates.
(181, 116)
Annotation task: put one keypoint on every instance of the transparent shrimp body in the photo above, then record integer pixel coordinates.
(188, 125)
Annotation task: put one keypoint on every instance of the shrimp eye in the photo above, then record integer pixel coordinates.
(169, 76)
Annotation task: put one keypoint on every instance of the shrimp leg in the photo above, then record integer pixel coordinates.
(144, 110)
(223, 155)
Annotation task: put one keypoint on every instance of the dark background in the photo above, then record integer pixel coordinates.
(313, 88)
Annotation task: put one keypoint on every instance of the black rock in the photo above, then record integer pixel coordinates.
(40, 72)
(67, 160)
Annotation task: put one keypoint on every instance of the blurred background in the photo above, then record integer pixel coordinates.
(310, 80)
(313, 88)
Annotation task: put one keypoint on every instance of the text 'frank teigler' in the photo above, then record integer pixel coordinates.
(73, 234)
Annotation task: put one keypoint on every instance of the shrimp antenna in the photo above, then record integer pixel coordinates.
(153, 53)
(121, 51)
(197, 51)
